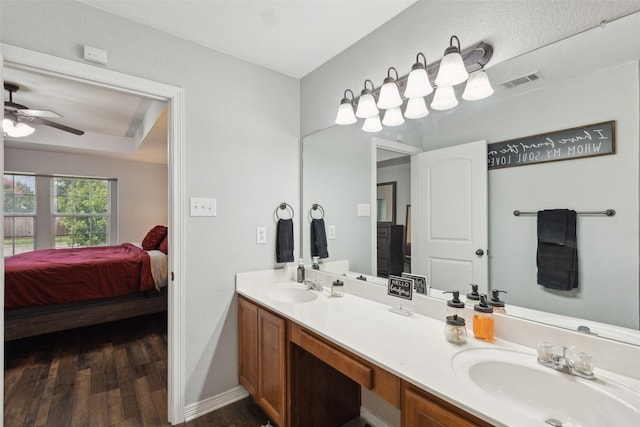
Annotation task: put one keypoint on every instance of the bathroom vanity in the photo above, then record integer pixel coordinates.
(305, 357)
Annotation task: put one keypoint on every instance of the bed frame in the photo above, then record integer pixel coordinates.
(31, 321)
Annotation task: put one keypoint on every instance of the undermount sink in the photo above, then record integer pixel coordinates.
(291, 293)
(516, 382)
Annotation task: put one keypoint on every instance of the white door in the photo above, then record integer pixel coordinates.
(450, 225)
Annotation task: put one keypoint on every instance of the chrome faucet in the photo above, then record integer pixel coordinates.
(581, 365)
(313, 285)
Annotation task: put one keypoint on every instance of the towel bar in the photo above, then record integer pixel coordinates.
(608, 212)
(316, 207)
(283, 206)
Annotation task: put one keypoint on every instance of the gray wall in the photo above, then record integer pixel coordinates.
(250, 169)
(142, 187)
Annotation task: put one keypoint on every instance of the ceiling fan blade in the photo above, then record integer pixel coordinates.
(40, 120)
(39, 113)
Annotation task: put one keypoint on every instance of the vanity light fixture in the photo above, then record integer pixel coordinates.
(393, 117)
(372, 124)
(416, 108)
(16, 130)
(452, 70)
(389, 93)
(418, 84)
(346, 115)
(444, 98)
(478, 86)
(367, 103)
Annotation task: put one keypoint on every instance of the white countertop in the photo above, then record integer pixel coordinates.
(413, 348)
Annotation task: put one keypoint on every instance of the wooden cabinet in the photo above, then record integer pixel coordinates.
(262, 353)
(390, 254)
(420, 409)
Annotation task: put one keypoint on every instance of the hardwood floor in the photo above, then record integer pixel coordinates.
(107, 375)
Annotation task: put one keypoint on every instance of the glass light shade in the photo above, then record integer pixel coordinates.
(372, 124)
(16, 130)
(452, 71)
(393, 117)
(478, 86)
(418, 84)
(345, 114)
(367, 106)
(389, 96)
(444, 98)
(416, 108)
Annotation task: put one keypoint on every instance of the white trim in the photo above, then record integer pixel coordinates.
(212, 403)
(20, 58)
(373, 419)
(396, 147)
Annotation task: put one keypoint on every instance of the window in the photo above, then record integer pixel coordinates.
(81, 208)
(19, 213)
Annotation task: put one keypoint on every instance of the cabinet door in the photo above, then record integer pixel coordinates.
(419, 411)
(272, 365)
(248, 346)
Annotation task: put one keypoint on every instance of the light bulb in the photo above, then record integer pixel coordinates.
(452, 70)
(418, 84)
(389, 93)
(372, 124)
(444, 98)
(367, 103)
(345, 110)
(478, 86)
(416, 108)
(393, 117)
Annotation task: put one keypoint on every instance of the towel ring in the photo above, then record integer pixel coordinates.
(284, 206)
(316, 207)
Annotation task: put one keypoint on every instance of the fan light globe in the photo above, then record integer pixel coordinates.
(372, 124)
(345, 115)
(393, 117)
(16, 130)
(416, 108)
(478, 86)
(418, 84)
(444, 98)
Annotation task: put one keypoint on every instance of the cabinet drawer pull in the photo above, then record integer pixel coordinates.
(353, 369)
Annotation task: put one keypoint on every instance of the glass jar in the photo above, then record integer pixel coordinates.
(337, 288)
(455, 330)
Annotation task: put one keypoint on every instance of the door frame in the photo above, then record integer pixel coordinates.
(20, 58)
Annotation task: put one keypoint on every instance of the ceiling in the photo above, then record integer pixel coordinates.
(260, 32)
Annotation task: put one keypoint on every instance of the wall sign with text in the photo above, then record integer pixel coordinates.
(585, 141)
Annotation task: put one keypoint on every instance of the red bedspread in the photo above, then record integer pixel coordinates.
(54, 276)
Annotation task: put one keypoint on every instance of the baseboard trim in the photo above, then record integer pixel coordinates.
(373, 419)
(212, 403)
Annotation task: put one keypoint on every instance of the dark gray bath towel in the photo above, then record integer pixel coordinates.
(284, 240)
(318, 239)
(557, 256)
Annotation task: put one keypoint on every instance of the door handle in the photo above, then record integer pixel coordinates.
(479, 252)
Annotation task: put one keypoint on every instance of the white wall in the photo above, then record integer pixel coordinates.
(249, 169)
(142, 187)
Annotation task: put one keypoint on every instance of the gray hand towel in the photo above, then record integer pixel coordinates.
(557, 255)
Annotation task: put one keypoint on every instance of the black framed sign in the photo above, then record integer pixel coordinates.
(400, 287)
(420, 282)
(585, 141)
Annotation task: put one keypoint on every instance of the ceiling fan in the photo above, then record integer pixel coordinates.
(20, 114)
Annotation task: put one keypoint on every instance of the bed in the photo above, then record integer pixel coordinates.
(56, 289)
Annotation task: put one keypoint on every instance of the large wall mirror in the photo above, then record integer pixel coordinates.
(583, 80)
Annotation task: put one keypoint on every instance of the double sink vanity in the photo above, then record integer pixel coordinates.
(306, 357)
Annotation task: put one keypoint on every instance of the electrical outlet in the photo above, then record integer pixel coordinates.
(261, 235)
(331, 232)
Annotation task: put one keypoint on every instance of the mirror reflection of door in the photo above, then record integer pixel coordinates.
(386, 202)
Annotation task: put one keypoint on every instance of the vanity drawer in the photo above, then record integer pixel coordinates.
(381, 382)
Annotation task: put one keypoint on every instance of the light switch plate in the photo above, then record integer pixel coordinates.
(364, 209)
(202, 206)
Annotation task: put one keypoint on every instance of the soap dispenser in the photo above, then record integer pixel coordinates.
(483, 323)
(454, 330)
(496, 303)
(300, 272)
(455, 307)
(473, 295)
